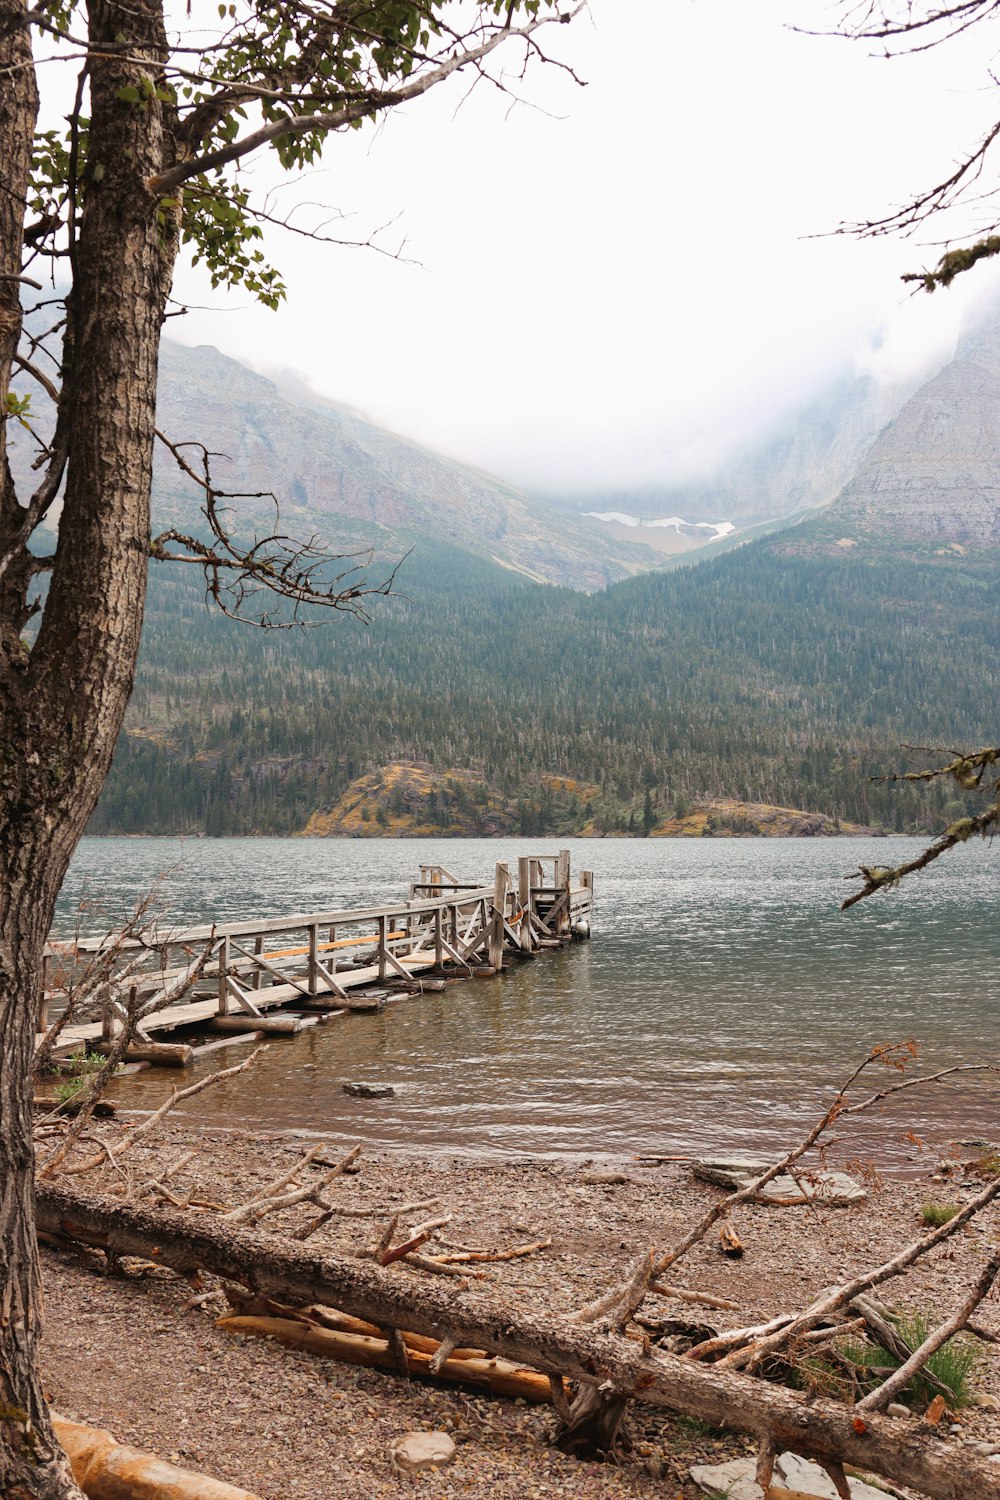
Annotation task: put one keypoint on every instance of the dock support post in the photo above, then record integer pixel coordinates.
(563, 885)
(524, 865)
(381, 948)
(500, 885)
(438, 935)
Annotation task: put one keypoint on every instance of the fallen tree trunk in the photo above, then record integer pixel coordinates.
(906, 1452)
(159, 1054)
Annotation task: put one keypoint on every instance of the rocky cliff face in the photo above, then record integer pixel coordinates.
(934, 473)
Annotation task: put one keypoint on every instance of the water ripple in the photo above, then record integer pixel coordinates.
(722, 996)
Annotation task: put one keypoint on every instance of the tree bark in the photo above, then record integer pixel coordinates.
(31, 1462)
(905, 1452)
(62, 704)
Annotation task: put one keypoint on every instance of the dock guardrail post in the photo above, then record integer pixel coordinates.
(224, 976)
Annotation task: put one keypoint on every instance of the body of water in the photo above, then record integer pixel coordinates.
(723, 997)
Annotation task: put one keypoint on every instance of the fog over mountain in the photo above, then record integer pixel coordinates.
(355, 485)
(798, 465)
(922, 461)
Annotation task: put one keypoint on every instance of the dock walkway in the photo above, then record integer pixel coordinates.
(321, 961)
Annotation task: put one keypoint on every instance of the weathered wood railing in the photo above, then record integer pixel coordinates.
(447, 925)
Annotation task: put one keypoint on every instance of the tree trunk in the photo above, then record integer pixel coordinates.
(62, 703)
(31, 1461)
(906, 1452)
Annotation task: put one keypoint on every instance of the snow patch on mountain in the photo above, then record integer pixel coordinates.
(682, 527)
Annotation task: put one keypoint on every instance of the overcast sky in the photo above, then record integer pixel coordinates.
(619, 286)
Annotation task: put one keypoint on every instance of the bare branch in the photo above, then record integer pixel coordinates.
(275, 566)
(968, 771)
(176, 1096)
(839, 1296)
(878, 1400)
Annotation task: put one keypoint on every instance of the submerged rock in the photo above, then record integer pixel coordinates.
(738, 1172)
(369, 1090)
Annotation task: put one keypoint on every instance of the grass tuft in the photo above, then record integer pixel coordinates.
(936, 1214)
(951, 1366)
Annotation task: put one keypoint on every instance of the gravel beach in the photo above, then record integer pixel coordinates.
(137, 1354)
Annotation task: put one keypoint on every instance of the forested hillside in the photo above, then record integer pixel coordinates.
(763, 676)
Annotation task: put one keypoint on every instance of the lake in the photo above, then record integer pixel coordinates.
(721, 999)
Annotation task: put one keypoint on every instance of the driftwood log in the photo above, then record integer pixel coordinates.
(500, 1376)
(905, 1452)
(108, 1470)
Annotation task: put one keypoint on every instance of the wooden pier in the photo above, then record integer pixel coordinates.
(233, 976)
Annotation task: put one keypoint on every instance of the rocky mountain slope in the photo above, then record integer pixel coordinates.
(353, 483)
(933, 475)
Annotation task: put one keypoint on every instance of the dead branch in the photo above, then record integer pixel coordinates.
(388, 1234)
(825, 1430)
(968, 771)
(155, 1183)
(138, 1131)
(437, 1268)
(722, 1209)
(616, 1307)
(878, 1400)
(909, 1083)
(237, 1215)
(840, 1296)
(684, 1294)
(300, 1195)
(389, 1257)
(516, 1252)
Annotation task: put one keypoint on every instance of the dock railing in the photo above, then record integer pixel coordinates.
(447, 926)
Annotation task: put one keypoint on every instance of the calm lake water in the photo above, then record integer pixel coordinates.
(722, 997)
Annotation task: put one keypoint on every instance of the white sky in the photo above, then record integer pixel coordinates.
(618, 288)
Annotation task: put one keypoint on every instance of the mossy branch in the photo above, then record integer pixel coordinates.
(968, 771)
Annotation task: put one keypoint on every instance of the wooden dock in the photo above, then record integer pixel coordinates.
(229, 976)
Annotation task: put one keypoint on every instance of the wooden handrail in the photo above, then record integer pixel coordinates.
(296, 923)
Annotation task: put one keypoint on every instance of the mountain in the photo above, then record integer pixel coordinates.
(353, 483)
(480, 701)
(933, 475)
(780, 676)
(798, 466)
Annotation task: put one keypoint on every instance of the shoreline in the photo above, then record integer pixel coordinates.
(136, 1356)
